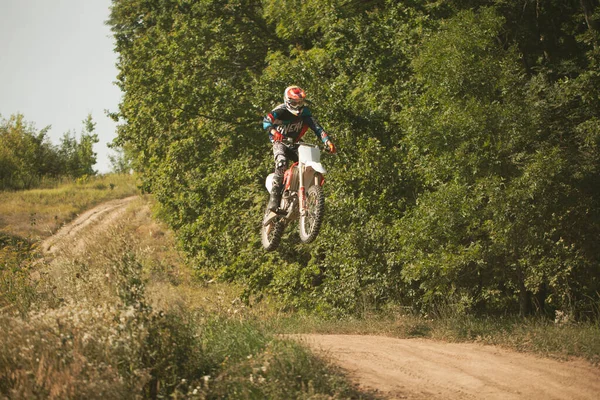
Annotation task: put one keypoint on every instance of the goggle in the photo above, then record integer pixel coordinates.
(295, 104)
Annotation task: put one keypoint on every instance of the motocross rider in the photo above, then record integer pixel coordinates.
(286, 125)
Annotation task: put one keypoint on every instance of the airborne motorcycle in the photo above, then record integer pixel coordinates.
(302, 199)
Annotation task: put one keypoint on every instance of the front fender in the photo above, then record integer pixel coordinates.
(317, 167)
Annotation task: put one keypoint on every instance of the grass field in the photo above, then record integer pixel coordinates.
(37, 214)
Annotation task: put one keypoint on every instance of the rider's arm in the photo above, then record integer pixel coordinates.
(271, 122)
(269, 125)
(314, 125)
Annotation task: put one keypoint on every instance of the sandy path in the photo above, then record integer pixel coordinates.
(424, 369)
(97, 219)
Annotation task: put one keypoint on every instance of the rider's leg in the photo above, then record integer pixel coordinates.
(280, 166)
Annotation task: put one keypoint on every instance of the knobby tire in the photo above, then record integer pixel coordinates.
(271, 233)
(310, 223)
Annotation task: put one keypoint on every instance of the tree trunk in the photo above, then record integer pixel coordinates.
(524, 299)
(539, 299)
(588, 7)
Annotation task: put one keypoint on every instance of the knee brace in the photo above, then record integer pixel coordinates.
(280, 164)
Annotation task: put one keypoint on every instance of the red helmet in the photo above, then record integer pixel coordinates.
(293, 97)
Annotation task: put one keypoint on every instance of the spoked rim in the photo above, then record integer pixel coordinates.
(310, 222)
(310, 214)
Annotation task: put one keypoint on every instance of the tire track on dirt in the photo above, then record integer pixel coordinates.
(96, 218)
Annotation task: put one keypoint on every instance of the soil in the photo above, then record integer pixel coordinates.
(98, 218)
(410, 368)
(426, 369)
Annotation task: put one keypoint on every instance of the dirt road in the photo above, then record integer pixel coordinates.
(98, 218)
(407, 368)
(424, 369)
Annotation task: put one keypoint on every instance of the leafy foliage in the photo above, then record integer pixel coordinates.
(27, 156)
(469, 135)
(78, 157)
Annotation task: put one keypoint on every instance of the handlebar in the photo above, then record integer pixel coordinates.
(314, 146)
(307, 144)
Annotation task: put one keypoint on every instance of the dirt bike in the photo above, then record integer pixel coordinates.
(302, 199)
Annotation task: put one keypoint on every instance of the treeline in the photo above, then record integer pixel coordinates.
(27, 156)
(469, 133)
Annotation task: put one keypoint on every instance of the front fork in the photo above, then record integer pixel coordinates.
(301, 192)
(318, 180)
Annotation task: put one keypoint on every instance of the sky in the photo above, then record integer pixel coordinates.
(57, 65)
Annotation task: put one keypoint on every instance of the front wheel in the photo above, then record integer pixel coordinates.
(272, 232)
(310, 222)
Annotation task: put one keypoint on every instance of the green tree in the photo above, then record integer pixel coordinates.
(25, 154)
(468, 135)
(78, 156)
(503, 189)
(120, 160)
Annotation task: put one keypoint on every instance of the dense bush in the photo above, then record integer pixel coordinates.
(469, 133)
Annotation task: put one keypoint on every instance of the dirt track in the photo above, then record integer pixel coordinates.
(424, 369)
(97, 218)
(409, 368)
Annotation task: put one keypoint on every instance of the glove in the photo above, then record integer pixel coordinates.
(330, 146)
(277, 136)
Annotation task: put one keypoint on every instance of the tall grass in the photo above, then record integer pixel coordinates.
(553, 338)
(37, 213)
(17, 290)
(99, 327)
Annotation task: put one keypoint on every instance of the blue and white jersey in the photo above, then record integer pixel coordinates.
(292, 126)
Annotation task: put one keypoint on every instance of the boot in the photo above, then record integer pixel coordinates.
(275, 198)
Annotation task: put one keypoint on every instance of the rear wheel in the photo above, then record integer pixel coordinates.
(272, 232)
(310, 222)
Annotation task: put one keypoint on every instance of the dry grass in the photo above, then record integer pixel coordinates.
(38, 213)
(70, 352)
(122, 317)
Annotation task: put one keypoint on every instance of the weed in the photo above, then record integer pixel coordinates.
(17, 290)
